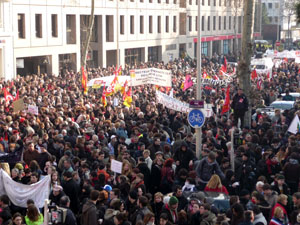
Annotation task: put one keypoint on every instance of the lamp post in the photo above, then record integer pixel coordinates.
(199, 80)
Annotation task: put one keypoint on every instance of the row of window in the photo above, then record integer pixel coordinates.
(183, 3)
(270, 5)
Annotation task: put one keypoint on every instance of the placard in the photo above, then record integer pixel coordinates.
(116, 166)
(151, 76)
(18, 105)
(33, 109)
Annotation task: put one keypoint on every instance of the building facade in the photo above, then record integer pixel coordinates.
(6, 41)
(49, 34)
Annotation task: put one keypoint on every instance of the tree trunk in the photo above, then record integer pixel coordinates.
(88, 35)
(244, 71)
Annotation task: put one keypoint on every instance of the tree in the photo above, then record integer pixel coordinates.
(237, 9)
(86, 44)
(265, 18)
(245, 60)
(297, 9)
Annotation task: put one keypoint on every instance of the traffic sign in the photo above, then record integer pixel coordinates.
(196, 104)
(196, 118)
(277, 43)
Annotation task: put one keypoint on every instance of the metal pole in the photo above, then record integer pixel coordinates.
(199, 77)
(118, 31)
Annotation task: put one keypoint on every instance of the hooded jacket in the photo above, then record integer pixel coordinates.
(208, 218)
(206, 169)
(259, 219)
(89, 214)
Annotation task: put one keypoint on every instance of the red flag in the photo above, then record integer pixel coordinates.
(8, 97)
(17, 96)
(111, 88)
(225, 64)
(188, 82)
(253, 74)
(258, 84)
(226, 105)
(104, 102)
(83, 80)
(204, 75)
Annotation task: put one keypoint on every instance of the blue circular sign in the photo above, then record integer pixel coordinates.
(196, 118)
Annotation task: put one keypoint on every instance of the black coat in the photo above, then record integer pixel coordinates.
(155, 178)
(147, 174)
(240, 103)
(184, 157)
(71, 189)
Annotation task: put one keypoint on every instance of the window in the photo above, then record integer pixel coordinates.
(276, 5)
(182, 23)
(225, 2)
(215, 2)
(141, 0)
(71, 29)
(202, 2)
(167, 1)
(220, 2)
(190, 2)
(239, 24)
(270, 19)
(190, 23)
(276, 19)
(197, 2)
(122, 25)
(159, 24)
(171, 47)
(182, 4)
(208, 2)
(150, 24)
(270, 5)
(224, 22)
(167, 24)
(208, 23)
(150, 1)
(158, 1)
(21, 25)
(175, 2)
(132, 0)
(131, 24)
(220, 23)
(174, 24)
(229, 26)
(38, 26)
(141, 24)
(204, 48)
(214, 22)
(196, 27)
(54, 25)
(202, 23)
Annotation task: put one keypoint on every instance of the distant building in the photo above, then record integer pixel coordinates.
(48, 35)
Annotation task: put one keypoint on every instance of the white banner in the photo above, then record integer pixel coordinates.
(151, 76)
(171, 103)
(20, 193)
(105, 81)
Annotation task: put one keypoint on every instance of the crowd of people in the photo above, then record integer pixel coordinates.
(74, 137)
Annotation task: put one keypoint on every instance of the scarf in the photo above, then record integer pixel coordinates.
(269, 164)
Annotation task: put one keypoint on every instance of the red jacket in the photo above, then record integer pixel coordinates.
(221, 190)
(280, 206)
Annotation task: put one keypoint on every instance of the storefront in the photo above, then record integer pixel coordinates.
(134, 56)
(154, 54)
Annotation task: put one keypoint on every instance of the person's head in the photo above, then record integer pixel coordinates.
(267, 189)
(259, 186)
(163, 219)
(158, 197)
(282, 199)
(33, 213)
(120, 218)
(173, 203)
(296, 199)
(142, 201)
(94, 195)
(64, 201)
(14, 173)
(17, 219)
(57, 190)
(132, 196)
(114, 193)
(280, 179)
(178, 190)
(139, 177)
(214, 182)
(211, 157)
(34, 178)
(4, 200)
(196, 207)
(278, 213)
(240, 91)
(238, 210)
(249, 217)
(149, 218)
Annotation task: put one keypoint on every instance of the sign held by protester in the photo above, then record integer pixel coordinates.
(116, 166)
(152, 76)
(172, 103)
(33, 109)
(18, 105)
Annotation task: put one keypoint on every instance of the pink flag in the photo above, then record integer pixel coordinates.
(188, 82)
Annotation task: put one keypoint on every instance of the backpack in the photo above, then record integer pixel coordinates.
(214, 167)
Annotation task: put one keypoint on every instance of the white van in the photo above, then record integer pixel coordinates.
(263, 65)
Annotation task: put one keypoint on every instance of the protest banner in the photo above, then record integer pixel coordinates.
(172, 103)
(106, 81)
(116, 166)
(151, 76)
(20, 193)
(18, 105)
(33, 109)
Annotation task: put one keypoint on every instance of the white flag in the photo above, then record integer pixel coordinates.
(294, 126)
(171, 93)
